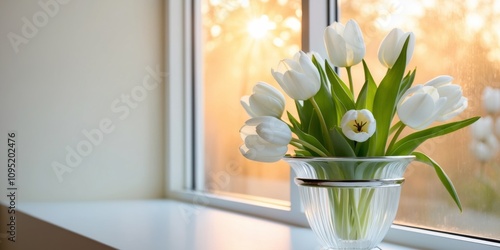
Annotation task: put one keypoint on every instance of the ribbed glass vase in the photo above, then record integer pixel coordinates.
(350, 203)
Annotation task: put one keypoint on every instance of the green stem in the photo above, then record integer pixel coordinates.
(349, 75)
(357, 228)
(395, 127)
(365, 208)
(297, 142)
(322, 123)
(395, 137)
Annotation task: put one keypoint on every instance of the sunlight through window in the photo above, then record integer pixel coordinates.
(242, 41)
(259, 27)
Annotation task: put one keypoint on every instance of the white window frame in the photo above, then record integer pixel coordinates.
(182, 151)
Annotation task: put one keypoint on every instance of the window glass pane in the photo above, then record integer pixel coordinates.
(242, 41)
(461, 39)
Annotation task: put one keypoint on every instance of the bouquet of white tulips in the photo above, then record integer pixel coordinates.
(332, 122)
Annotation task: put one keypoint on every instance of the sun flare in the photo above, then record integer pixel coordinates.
(258, 27)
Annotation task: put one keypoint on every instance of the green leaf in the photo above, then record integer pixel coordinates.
(341, 145)
(362, 148)
(305, 111)
(395, 127)
(342, 96)
(314, 128)
(445, 180)
(305, 136)
(409, 143)
(293, 120)
(368, 91)
(325, 102)
(384, 104)
(406, 83)
(302, 153)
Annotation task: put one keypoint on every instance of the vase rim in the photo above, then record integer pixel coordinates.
(353, 159)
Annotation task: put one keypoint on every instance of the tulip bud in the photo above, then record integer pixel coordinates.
(345, 45)
(266, 139)
(358, 125)
(265, 101)
(298, 77)
(392, 45)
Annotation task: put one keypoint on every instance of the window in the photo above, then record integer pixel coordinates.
(236, 44)
(457, 38)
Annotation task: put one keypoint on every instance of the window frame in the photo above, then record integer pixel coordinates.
(183, 141)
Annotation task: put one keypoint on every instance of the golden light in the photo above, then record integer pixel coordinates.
(215, 31)
(474, 21)
(293, 23)
(258, 28)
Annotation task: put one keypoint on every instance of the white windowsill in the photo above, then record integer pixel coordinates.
(169, 224)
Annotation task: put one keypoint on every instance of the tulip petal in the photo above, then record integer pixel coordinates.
(245, 102)
(266, 89)
(278, 76)
(308, 67)
(264, 105)
(275, 132)
(291, 65)
(302, 91)
(354, 38)
(415, 110)
(439, 81)
(392, 45)
(410, 48)
(386, 50)
(457, 109)
(455, 103)
(265, 101)
(335, 47)
(267, 154)
(300, 78)
(359, 137)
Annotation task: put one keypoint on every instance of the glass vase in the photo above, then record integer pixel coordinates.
(350, 203)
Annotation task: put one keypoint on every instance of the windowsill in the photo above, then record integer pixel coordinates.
(169, 224)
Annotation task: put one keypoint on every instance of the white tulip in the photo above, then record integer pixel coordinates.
(298, 77)
(265, 101)
(491, 100)
(484, 150)
(345, 45)
(266, 139)
(420, 106)
(392, 45)
(318, 57)
(455, 102)
(358, 125)
(482, 128)
(484, 143)
(437, 100)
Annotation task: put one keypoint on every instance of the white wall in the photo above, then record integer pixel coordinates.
(64, 67)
